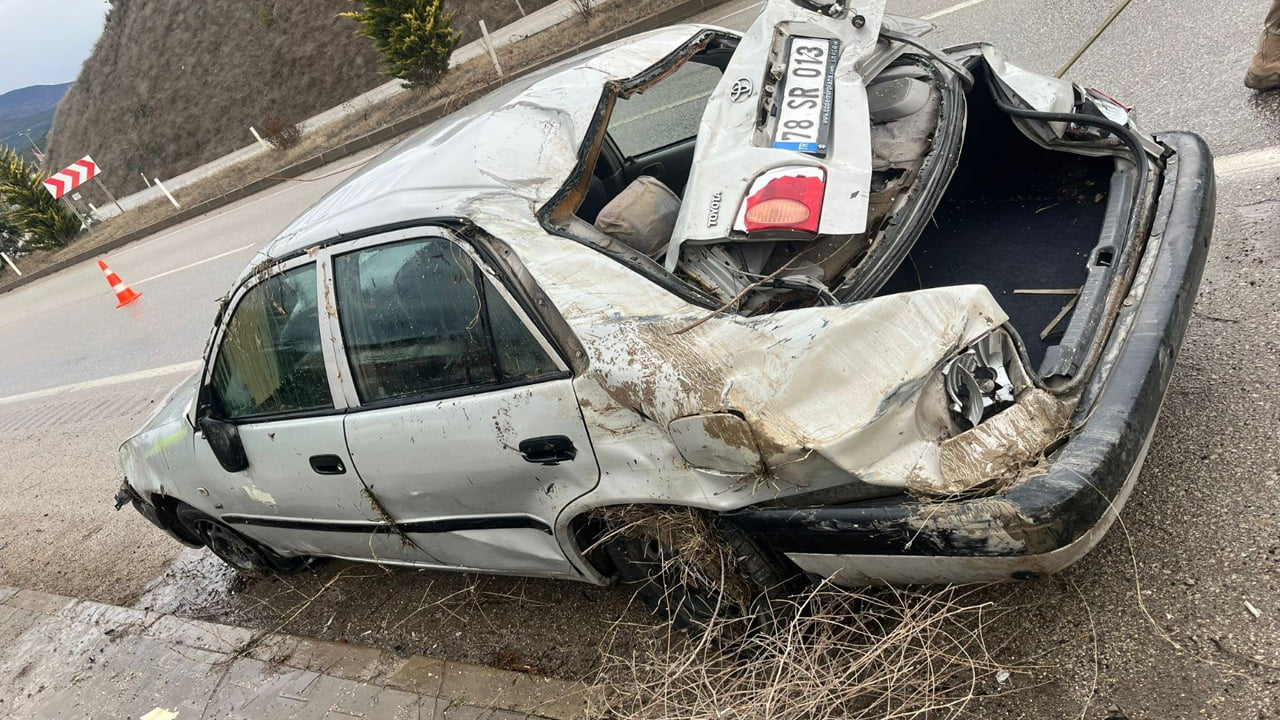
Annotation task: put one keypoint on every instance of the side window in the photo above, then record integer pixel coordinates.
(270, 361)
(419, 318)
(665, 113)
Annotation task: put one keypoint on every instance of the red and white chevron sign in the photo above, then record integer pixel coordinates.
(80, 172)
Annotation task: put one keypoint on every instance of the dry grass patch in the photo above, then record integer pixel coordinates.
(876, 653)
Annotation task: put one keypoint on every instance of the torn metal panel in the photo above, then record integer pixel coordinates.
(543, 114)
(1000, 449)
(717, 441)
(735, 146)
(841, 383)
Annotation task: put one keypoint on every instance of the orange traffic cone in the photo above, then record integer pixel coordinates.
(124, 294)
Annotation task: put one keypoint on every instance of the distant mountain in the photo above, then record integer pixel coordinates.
(28, 108)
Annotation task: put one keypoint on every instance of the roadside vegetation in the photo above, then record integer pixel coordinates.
(30, 218)
(416, 37)
(872, 654)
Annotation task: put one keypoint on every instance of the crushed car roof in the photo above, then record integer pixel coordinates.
(519, 143)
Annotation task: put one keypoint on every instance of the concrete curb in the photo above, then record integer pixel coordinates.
(217, 646)
(667, 17)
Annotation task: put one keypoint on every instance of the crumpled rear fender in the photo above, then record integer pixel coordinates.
(826, 395)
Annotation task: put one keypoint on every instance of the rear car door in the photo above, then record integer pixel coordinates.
(464, 424)
(268, 376)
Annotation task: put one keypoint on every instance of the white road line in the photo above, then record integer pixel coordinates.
(197, 263)
(735, 13)
(188, 367)
(1248, 161)
(931, 16)
(954, 8)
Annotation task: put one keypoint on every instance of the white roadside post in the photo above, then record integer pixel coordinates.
(265, 145)
(488, 45)
(10, 262)
(167, 194)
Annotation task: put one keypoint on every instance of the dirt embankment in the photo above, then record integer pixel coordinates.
(170, 86)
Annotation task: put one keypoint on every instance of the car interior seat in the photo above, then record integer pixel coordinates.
(643, 216)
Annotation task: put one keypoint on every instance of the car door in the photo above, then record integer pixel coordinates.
(464, 424)
(269, 378)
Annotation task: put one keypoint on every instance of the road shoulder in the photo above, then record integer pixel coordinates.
(100, 660)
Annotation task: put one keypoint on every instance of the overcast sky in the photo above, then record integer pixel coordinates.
(44, 42)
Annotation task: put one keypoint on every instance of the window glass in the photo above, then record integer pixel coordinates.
(665, 113)
(270, 361)
(419, 318)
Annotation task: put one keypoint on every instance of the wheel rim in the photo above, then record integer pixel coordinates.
(226, 544)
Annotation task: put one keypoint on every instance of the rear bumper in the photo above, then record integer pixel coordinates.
(1046, 523)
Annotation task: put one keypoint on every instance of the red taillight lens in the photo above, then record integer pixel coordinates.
(789, 199)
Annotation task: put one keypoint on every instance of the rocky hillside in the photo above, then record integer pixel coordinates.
(172, 85)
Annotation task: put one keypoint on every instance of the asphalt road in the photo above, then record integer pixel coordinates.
(1153, 624)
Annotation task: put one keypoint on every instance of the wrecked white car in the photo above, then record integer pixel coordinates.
(868, 310)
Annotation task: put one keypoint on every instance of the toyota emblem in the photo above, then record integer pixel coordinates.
(741, 90)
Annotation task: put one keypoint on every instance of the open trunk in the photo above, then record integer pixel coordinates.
(1025, 221)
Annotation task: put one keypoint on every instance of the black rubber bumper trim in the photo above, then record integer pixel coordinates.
(496, 522)
(1092, 469)
(127, 495)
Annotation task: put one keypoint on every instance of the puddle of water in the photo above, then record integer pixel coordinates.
(196, 583)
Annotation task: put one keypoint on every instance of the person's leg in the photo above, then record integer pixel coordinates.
(1264, 70)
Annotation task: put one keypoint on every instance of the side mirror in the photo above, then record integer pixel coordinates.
(224, 439)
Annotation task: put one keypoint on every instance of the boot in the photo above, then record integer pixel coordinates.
(1264, 71)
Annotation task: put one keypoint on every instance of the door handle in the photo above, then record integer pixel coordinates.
(551, 450)
(328, 465)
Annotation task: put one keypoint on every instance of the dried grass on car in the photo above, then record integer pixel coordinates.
(830, 653)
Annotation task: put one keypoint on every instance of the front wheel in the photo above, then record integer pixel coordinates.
(699, 574)
(236, 550)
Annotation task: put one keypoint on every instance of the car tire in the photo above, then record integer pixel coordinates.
(241, 553)
(730, 591)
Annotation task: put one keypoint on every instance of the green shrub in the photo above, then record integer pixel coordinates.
(47, 224)
(415, 37)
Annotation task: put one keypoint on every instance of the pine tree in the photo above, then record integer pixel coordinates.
(31, 209)
(415, 37)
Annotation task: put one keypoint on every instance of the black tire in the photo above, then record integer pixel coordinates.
(730, 591)
(241, 553)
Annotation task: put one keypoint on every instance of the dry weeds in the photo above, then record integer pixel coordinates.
(876, 653)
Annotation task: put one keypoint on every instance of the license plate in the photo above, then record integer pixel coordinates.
(807, 95)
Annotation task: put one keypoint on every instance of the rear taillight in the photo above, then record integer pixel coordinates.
(786, 199)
